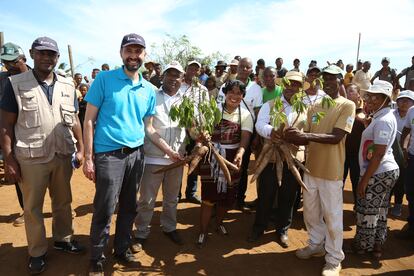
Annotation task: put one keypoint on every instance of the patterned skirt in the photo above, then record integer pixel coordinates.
(372, 210)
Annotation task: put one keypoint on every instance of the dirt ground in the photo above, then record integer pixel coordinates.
(231, 255)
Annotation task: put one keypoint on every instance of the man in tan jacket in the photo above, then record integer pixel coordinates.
(39, 129)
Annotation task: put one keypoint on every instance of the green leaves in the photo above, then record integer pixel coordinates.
(316, 118)
(297, 102)
(207, 118)
(327, 102)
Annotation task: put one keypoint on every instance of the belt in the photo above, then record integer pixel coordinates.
(127, 150)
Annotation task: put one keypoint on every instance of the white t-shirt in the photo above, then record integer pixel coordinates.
(400, 124)
(311, 99)
(381, 131)
(253, 98)
(409, 123)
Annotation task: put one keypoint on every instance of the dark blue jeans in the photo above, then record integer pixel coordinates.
(409, 190)
(285, 195)
(117, 182)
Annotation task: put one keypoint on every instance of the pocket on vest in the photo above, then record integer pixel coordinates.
(68, 113)
(30, 149)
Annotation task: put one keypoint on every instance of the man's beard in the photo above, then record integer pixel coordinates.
(132, 68)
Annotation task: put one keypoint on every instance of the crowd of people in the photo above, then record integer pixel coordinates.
(116, 126)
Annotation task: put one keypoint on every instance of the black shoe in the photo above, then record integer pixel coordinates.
(37, 264)
(127, 257)
(254, 236)
(96, 268)
(252, 204)
(193, 199)
(284, 240)
(175, 237)
(70, 247)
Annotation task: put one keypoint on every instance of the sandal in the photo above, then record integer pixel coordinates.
(201, 241)
(222, 230)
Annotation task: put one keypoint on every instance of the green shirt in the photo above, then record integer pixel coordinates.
(270, 95)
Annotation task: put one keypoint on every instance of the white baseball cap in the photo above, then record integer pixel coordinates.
(406, 94)
(174, 65)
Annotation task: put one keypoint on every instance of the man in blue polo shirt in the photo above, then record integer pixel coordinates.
(121, 103)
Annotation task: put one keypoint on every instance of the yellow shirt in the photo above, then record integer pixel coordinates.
(348, 78)
(326, 160)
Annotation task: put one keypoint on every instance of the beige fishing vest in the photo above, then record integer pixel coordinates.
(43, 130)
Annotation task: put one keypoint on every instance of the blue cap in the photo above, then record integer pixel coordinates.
(45, 43)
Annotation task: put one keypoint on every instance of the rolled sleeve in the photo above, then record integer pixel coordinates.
(263, 126)
(346, 118)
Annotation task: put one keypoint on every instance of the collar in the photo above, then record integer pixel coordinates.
(179, 92)
(122, 76)
(42, 82)
(381, 112)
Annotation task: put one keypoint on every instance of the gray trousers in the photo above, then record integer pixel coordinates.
(150, 184)
(117, 181)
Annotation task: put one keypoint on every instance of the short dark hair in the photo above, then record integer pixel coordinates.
(260, 61)
(233, 83)
(78, 74)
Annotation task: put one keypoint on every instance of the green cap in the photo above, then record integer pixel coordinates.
(10, 52)
(333, 70)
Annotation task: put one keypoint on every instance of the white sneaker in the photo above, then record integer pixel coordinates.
(331, 269)
(308, 252)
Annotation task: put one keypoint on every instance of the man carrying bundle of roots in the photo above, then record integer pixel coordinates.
(322, 200)
(268, 186)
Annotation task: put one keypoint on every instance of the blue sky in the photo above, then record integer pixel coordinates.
(317, 29)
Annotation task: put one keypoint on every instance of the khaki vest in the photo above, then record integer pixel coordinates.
(43, 130)
(166, 128)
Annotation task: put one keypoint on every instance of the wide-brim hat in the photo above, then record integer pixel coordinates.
(380, 87)
(234, 62)
(297, 76)
(221, 63)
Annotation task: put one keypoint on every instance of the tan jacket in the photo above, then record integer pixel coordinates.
(43, 130)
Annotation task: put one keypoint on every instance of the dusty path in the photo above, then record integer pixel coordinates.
(231, 255)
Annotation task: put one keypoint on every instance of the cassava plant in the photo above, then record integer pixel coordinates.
(199, 115)
(277, 148)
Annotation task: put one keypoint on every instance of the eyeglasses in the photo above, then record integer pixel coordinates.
(370, 97)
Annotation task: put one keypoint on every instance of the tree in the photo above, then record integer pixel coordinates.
(181, 49)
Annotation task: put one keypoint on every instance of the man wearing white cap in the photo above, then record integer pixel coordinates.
(322, 202)
(409, 184)
(155, 159)
(232, 73)
(405, 101)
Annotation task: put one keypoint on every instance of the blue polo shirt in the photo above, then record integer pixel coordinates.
(122, 108)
